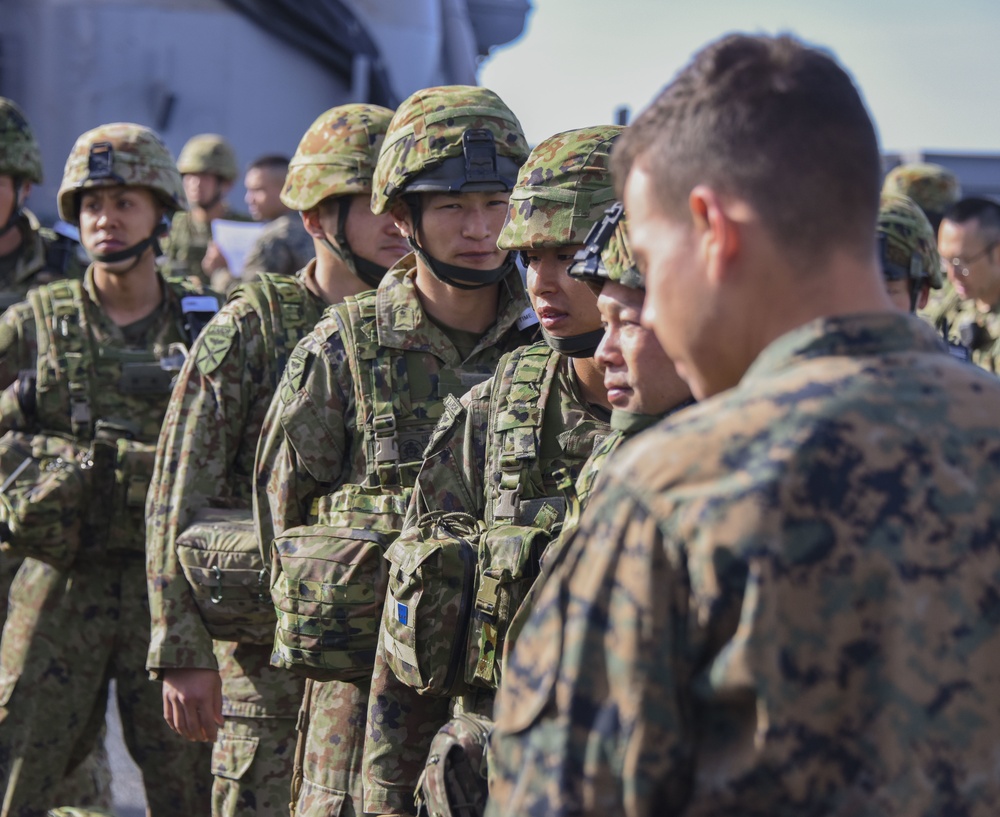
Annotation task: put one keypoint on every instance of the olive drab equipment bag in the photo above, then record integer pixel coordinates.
(329, 577)
(219, 552)
(40, 497)
(454, 780)
(453, 588)
(89, 473)
(216, 552)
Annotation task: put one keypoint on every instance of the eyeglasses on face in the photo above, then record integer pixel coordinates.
(961, 265)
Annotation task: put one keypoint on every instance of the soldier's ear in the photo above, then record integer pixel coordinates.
(403, 218)
(310, 220)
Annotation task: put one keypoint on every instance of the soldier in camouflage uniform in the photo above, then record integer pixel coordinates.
(969, 312)
(31, 255)
(208, 167)
(442, 317)
(84, 364)
(908, 253)
(562, 191)
(205, 458)
(781, 601)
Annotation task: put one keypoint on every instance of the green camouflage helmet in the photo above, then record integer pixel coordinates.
(336, 157)
(562, 190)
(451, 138)
(19, 153)
(208, 153)
(934, 188)
(607, 253)
(906, 241)
(119, 154)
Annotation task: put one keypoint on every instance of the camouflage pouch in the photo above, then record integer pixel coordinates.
(508, 564)
(454, 781)
(221, 560)
(133, 473)
(425, 620)
(328, 584)
(42, 487)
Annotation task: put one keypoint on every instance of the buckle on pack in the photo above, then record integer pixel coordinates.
(386, 440)
(486, 598)
(508, 503)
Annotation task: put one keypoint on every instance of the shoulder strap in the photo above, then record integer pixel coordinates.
(64, 352)
(379, 385)
(287, 310)
(517, 412)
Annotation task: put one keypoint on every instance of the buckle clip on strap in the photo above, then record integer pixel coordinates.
(386, 439)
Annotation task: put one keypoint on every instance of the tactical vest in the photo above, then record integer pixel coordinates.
(456, 582)
(103, 405)
(329, 577)
(219, 552)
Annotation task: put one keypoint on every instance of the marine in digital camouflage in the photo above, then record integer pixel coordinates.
(205, 458)
(777, 579)
(934, 188)
(283, 247)
(311, 444)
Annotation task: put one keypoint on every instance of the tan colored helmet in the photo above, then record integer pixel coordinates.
(907, 245)
(453, 138)
(119, 154)
(208, 153)
(562, 190)
(19, 153)
(336, 156)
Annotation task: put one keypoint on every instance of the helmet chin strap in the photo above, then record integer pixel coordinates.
(135, 251)
(462, 277)
(15, 213)
(583, 345)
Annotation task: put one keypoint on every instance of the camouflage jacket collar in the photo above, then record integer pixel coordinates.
(169, 321)
(403, 324)
(31, 257)
(858, 335)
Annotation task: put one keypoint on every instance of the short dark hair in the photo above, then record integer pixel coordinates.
(273, 161)
(775, 122)
(985, 211)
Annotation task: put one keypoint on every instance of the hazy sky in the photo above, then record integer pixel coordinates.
(929, 72)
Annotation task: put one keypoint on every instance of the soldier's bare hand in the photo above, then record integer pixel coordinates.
(192, 702)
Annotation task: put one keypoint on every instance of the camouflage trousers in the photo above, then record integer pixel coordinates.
(253, 756)
(332, 744)
(91, 624)
(89, 782)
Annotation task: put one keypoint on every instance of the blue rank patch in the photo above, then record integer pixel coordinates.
(402, 613)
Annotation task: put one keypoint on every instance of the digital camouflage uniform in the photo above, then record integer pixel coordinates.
(188, 241)
(310, 444)
(561, 191)
(206, 456)
(283, 246)
(963, 323)
(71, 631)
(781, 602)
